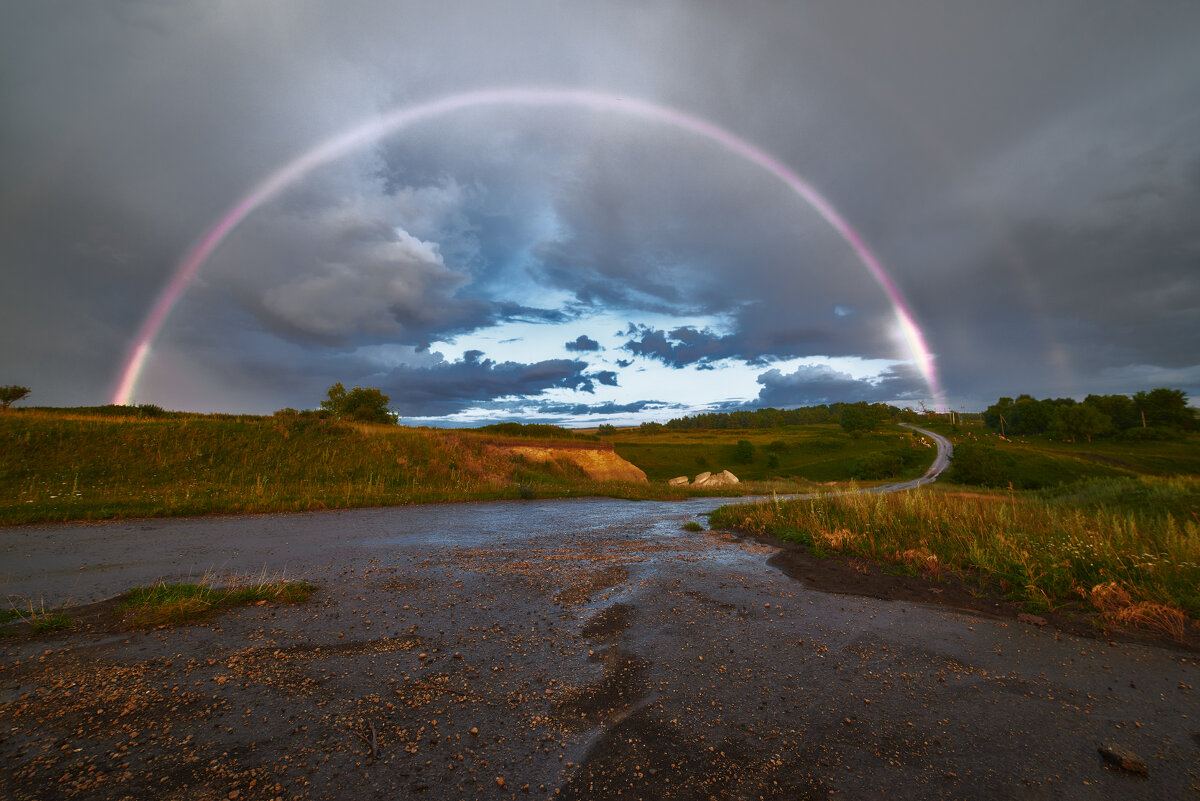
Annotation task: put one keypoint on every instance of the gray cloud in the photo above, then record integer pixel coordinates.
(451, 387)
(814, 384)
(583, 343)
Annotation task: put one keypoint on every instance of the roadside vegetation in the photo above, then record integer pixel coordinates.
(164, 604)
(37, 617)
(1128, 548)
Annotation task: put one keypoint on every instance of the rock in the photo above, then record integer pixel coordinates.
(678, 481)
(701, 479)
(722, 479)
(1033, 620)
(1123, 758)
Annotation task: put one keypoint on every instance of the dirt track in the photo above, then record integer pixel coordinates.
(559, 649)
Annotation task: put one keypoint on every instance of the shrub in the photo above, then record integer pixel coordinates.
(981, 465)
(878, 465)
(150, 410)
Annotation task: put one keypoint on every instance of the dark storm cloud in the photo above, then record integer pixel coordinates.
(583, 343)
(1027, 175)
(687, 345)
(451, 387)
(573, 410)
(813, 384)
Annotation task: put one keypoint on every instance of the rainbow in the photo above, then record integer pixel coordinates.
(399, 119)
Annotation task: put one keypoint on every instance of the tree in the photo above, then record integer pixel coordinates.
(857, 418)
(11, 394)
(1119, 408)
(743, 452)
(363, 404)
(1166, 408)
(1083, 421)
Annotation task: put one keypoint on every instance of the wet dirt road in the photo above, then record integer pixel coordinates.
(559, 649)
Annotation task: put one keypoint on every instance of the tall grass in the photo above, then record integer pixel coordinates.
(1046, 549)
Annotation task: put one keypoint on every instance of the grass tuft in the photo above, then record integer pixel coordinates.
(164, 604)
(39, 619)
(692, 525)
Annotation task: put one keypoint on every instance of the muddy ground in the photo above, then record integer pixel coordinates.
(556, 650)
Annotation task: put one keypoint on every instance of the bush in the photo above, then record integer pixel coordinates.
(1150, 434)
(981, 465)
(362, 404)
(875, 466)
(743, 452)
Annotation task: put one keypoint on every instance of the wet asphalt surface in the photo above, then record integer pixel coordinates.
(554, 649)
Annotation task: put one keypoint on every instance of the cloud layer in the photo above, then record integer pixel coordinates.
(1029, 177)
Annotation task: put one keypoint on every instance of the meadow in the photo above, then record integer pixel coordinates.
(815, 453)
(113, 462)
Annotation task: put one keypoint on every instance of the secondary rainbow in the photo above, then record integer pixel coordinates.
(401, 118)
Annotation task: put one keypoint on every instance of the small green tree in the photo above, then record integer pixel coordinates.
(363, 404)
(11, 394)
(743, 452)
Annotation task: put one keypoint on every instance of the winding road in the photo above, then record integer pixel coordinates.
(555, 649)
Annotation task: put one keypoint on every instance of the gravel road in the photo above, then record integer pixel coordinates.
(580, 648)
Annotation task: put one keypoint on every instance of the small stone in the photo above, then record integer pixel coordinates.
(499, 781)
(1033, 620)
(475, 731)
(1123, 758)
(233, 794)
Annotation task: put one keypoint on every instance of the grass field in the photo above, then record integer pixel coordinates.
(80, 465)
(814, 453)
(1128, 547)
(1038, 462)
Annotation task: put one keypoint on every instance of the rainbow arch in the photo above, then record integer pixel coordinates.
(394, 121)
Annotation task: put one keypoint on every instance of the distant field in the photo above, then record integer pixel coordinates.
(816, 453)
(1038, 462)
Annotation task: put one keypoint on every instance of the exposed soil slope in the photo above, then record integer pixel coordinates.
(600, 465)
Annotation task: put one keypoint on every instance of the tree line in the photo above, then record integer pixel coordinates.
(861, 416)
(1155, 414)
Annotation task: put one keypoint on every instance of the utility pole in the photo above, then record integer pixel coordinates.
(1002, 421)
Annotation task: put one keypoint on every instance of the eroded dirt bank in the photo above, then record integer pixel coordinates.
(566, 649)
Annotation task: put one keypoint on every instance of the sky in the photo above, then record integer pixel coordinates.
(1026, 174)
